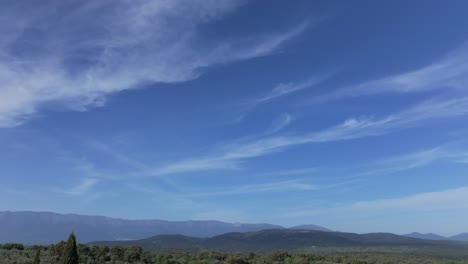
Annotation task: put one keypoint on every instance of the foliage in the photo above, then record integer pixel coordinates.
(89, 254)
(133, 254)
(37, 257)
(11, 246)
(70, 252)
(274, 239)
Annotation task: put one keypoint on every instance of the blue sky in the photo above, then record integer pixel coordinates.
(350, 115)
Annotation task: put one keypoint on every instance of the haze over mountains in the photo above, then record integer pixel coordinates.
(276, 239)
(311, 227)
(432, 236)
(460, 237)
(48, 227)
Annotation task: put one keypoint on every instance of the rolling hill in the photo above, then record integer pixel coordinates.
(430, 236)
(271, 240)
(47, 228)
(311, 227)
(460, 237)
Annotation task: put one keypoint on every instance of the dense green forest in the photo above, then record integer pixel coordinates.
(70, 252)
(90, 254)
(270, 240)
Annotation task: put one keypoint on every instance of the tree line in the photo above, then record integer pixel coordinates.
(70, 252)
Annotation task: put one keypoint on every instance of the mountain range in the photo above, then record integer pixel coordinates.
(48, 227)
(432, 236)
(277, 239)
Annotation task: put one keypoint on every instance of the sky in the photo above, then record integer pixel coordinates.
(347, 114)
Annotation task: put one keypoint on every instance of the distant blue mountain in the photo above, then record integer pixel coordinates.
(460, 237)
(430, 236)
(311, 227)
(48, 227)
(273, 240)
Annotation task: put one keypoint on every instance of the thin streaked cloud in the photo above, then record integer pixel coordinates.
(118, 52)
(282, 122)
(83, 187)
(281, 186)
(438, 200)
(449, 72)
(284, 89)
(353, 128)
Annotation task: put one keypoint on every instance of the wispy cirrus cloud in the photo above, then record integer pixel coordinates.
(90, 54)
(281, 186)
(416, 159)
(291, 172)
(84, 186)
(284, 89)
(449, 72)
(281, 90)
(404, 207)
(446, 199)
(231, 156)
(282, 122)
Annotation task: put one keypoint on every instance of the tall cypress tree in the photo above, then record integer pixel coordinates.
(37, 257)
(70, 253)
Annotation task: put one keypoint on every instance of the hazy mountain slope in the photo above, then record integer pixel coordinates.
(270, 240)
(430, 236)
(460, 237)
(47, 227)
(311, 227)
(392, 239)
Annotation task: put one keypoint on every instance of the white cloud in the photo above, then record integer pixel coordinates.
(445, 209)
(281, 186)
(447, 199)
(283, 89)
(282, 122)
(449, 72)
(232, 155)
(84, 186)
(199, 164)
(291, 172)
(417, 159)
(74, 55)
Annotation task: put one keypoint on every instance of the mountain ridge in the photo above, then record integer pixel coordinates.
(432, 236)
(33, 227)
(429, 236)
(459, 237)
(311, 227)
(274, 239)
(30, 227)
